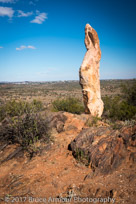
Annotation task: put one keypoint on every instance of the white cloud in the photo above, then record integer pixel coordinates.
(6, 11)
(31, 47)
(22, 14)
(1, 47)
(40, 18)
(7, 1)
(22, 47)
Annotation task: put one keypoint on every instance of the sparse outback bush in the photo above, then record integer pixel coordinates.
(118, 109)
(129, 93)
(93, 121)
(82, 156)
(25, 130)
(18, 108)
(72, 105)
(37, 105)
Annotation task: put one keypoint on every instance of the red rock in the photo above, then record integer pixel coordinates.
(103, 148)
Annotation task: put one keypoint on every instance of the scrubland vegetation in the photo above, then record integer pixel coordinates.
(21, 120)
(72, 105)
(22, 124)
(121, 107)
(17, 108)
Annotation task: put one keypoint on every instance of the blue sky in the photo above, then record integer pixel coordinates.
(43, 40)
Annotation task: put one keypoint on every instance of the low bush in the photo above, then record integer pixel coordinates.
(118, 109)
(129, 93)
(36, 105)
(25, 130)
(93, 121)
(72, 105)
(82, 156)
(18, 108)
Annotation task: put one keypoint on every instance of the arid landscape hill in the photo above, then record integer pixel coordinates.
(81, 161)
(53, 156)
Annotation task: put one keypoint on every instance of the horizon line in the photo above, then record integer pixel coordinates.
(29, 81)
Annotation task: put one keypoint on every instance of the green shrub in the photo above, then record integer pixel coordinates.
(118, 109)
(18, 108)
(125, 111)
(129, 93)
(82, 156)
(25, 130)
(37, 105)
(93, 121)
(72, 105)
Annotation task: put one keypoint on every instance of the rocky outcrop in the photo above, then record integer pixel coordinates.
(89, 74)
(104, 149)
(56, 121)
